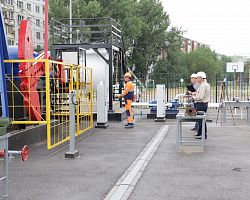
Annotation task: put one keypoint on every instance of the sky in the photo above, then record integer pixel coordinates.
(224, 25)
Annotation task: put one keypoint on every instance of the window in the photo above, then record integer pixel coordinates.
(20, 4)
(10, 2)
(38, 35)
(43, 24)
(37, 9)
(10, 30)
(11, 15)
(43, 9)
(19, 18)
(9, 42)
(38, 22)
(28, 6)
(5, 14)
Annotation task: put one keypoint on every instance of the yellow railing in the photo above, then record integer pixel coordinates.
(53, 91)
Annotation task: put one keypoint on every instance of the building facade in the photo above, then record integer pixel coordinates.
(16, 10)
(191, 45)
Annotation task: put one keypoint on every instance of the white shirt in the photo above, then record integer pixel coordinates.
(203, 93)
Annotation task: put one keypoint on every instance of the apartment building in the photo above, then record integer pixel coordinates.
(191, 45)
(8, 8)
(16, 10)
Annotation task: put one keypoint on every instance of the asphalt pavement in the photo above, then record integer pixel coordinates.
(221, 172)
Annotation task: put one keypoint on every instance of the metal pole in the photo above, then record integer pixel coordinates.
(72, 102)
(6, 168)
(72, 122)
(46, 31)
(167, 87)
(216, 88)
(70, 21)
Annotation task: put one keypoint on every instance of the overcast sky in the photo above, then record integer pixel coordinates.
(224, 25)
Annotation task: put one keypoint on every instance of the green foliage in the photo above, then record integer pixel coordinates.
(148, 45)
(147, 35)
(144, 24)
(247, 67)
(84, 9)
(184, 64)
(223, 63)
(174, 41)
(173, 59)
(57, 10)
(203, 59)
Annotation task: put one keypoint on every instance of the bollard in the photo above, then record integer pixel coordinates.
(102, 106)
(72, 153)
(160, 98)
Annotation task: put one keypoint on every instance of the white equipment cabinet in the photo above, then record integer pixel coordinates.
(102, 105)
(160, 98)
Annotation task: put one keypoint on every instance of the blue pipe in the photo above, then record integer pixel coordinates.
(4, 55)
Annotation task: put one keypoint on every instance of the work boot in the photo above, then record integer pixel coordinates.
(199, 137)
(129, 125)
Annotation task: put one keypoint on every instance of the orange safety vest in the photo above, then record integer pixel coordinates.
(129, 91)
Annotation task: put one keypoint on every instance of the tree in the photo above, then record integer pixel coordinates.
(85, 9)
(144, 25)
(203, 59)
(173, 59)
(147, 46)
(57, 10)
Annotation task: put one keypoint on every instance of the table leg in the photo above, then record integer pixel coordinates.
(203, 135)
(178, 135)
(224, 114)
(248, 115)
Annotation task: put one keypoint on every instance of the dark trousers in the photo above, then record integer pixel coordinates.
(201, 107)
(196, 123)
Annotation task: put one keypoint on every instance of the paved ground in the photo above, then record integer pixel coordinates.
(222, 172)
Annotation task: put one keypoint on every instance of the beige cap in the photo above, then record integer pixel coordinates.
(201, 74)
(193, 76)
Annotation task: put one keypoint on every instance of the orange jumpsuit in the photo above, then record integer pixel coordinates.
(129, 96)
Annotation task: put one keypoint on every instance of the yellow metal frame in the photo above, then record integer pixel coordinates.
(51, 116)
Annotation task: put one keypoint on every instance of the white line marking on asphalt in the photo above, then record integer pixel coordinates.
(125, 185)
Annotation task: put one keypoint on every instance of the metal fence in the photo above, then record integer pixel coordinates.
(40, 95)
(77, 78)
(236, 85)
(86, 30)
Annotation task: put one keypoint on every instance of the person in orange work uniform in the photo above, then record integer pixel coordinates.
(128, 95)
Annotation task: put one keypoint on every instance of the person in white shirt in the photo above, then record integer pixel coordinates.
(201, 99)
